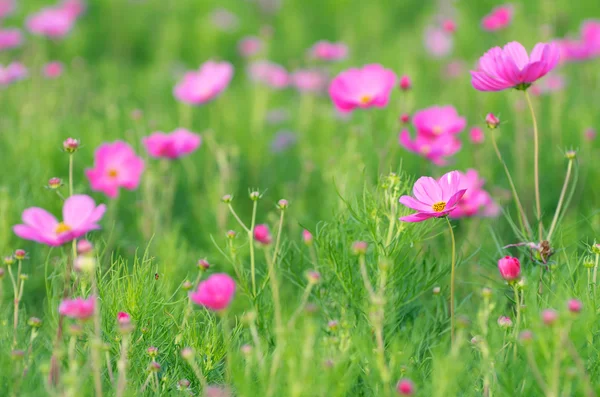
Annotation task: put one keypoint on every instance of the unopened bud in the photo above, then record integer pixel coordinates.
(570, 154)
(184, 384)
(34, 322)
(203, 264)
(71, 145)
(84, 247)
(313, 276)
(486, 292)
(405, 83)
(307, 237)
(359, 248)
(231, 234)
(526, 336)
(85, 264)
(549, 316)
(54, 183)
(282, 204)
(333, 325)
(492, 121)
(152, 351)
(254, 195)
(187, 285)
(9, 260)
(20, 254)
(574, 305)
(154, 367)
(187, 353)
(405, 118)
(227, 198)
(504, 322)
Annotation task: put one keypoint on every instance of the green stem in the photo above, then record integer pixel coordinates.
(536, 166)
(563, 192)
(251, 240)
(278, 239)
(452, 277)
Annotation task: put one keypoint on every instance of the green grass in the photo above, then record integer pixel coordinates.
(127, 55)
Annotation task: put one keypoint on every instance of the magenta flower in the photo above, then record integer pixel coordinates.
(174, 145)
(438, 42)
(511, 67)
(115, 165)
(77, 308)
(215, 293)
(405, 83)
(73, 7)
(53, 22)
(587, 46)
(498, 19)
(309, 80)
(369, 86)
(327, 51)
(80, 215)
(510, 268)
(434, 149)
(250, 46)
(475, 201)
(438, 120)
(476, 135)
(53, 70)
(405, 387)
(10, 38)
(269, 73)
(7, 7)
(307, 237)
(433, 198)
(123, 318)
(262, 234)
(205, 84)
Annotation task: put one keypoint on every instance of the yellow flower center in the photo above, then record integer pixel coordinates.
(112, 173)
(365, 99)
(437, 130)
(61, 228)
(439, 206)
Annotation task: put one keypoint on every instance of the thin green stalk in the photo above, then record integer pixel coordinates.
(97, 341)
(278, 238)
(251, 240)
(365, 276)
(518, 315)
(302, 305)
(536, 166)
(452, 276)
(563, 192)
(16, 305)
(595, 275)
(522, 216)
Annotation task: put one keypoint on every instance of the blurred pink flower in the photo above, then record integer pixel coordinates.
(123, 318)
(476, 135)
(551, 83)
(204, 85)
(435, 149)
(433, 198)
(250, 46)
(438, 42)
(10, 38)
(77, 308)
(511, 67)
(475, 201)
(262, 234)
(370, 86)
(215, 293)
(174, 145)
(585, 47)
(309, 80)
(14, 72)
(115, 165)
(307, 237)
(73, 7)
(52, 22)
(7, 7)
(499, 18)
(454, 69)
(405, 83)
(224, 20)
(405, 387)
(590, 34)
(269, 73)
(509, 267)
(590, 134)
(449, 25)
(328, 51)
(80, 215)
(439, 120)
(53, 70)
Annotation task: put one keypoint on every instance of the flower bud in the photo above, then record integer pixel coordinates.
(187, 285)
(20, 254)
(152, 351)
(509, 267)
(203, 264)
(254, 195)
(17, 354)
(405, 387)
(84, 247)
(123, 318)
(405, 83)
(476, 135)
(526, 336)
(405, 118)
(505, 322)
(486, 292)
(154, 367)
(183, 384)
(307, 237)
(313, 276)
(449, 26)
(54, 183)
(227, 198)
(436, 290)
(282, 204)
(187, 353)
(574, 305)
(34, 322)
(85, 264)
(231, 234)
(1, 273)
(549, 316)
(24, 277)
(246, 349)
(333, 325)
(9, 260)
(595, 248)
(262, 234)
(71, 145)
(492, 121)
(570, 154)
(359, 247)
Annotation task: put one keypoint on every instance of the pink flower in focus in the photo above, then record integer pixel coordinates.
(53, 70)
(269, 73)
(433, 198)
(215, 293)
(51, 22)
(77, 308)
(204, 85)
(262, 234)
(509, 267)
(511, 67)
(476, 135)
(115, 165)
(327, 51)
(475, 201)
(438, 42)
(309, 80)
(174, 145)
(7, 7)
(250, 46)
(10, 38)
(362, 88)
(80, 215)
(499, 18)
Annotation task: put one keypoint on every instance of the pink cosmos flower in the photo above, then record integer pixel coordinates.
(475, 201)
(549, 84)
(262, 234)
(309, 80)
(269, 73)
(7, 7)
(80, 215)
(10, 38)
(499, 18)
(438, 42)
(439, 120)
(53, 22)
(224, 20)
(449, 25)
(174, 145)
(215, 293)
(590, 34)
(405, 387)
(585, 47)
(433, 198)
(590, 134)
(307, 237)
(327, 51)
(123, 318)
(405, 83)
(115, 165)
(77, 308)
(250, 46)
(205, 84)
(362, 88)
(436, 149)
(53, 70)
(509, 267)
(73, 7)
(14, 72)
(511, 67)
(476, 135)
